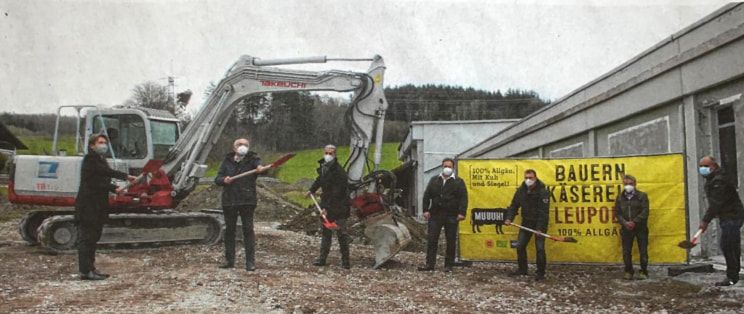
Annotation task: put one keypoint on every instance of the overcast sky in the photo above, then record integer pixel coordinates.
(94, 52)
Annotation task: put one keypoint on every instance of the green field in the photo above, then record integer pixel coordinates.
(42, 145)
(304, 164)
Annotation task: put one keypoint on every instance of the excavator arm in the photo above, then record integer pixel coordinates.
(250, 76)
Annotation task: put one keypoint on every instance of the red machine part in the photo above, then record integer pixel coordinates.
(368, 204)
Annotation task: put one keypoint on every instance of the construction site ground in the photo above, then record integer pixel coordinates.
(187, 279)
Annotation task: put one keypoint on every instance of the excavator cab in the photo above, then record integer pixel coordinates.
(136, 135)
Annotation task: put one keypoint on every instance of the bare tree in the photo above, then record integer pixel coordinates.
(152, 95)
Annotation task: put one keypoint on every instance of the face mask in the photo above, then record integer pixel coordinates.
(101, 149)
(704, 171)
(447, 171)
(629, 188)
(242, 150)
(529, 182)
(328, 158)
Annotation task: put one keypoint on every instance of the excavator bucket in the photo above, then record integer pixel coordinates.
(387, 235)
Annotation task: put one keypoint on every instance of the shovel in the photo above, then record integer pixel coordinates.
(330, 225)
(559, 239)
(692, 243)
(274, 164)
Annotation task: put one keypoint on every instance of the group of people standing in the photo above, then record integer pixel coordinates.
(445, 204)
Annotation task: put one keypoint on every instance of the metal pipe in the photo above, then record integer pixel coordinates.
(318, 59)
(56, 131)
(378, 138)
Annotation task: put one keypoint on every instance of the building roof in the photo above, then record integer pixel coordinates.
(643, 66)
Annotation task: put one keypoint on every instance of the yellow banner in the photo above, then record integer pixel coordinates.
(582, 196)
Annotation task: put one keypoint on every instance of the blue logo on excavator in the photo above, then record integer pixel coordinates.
(48, 169)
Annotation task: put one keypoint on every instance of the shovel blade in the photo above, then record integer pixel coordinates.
(330, 225)
(686, 244)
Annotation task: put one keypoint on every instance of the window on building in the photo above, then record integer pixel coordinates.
(727, 140)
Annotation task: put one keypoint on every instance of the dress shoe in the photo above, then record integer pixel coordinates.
(448, 269)
(319, 263)
(104, 275)
(517, 273)
(539, 277)
(725, 283)
(250, 267)
(227, 265)
(425, 268)
(91, 276)
(346, 266)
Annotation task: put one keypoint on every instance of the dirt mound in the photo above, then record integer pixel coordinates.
(271, 207)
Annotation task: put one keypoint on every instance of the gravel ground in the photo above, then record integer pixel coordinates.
(186, 279)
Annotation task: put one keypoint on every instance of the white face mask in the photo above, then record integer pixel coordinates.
(447, 171)
(101, 149)
(529, 182)
(629, 188)
(242, 150)
(328, 158)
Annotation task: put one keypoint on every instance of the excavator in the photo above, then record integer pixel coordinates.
(149, 143)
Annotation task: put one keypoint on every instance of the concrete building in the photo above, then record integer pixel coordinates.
(683, 95)
(428, 142)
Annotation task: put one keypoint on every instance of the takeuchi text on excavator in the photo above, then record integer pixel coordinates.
(150, 142)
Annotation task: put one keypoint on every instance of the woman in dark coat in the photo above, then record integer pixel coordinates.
(91, 204)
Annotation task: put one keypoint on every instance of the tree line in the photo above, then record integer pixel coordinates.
(290, 121)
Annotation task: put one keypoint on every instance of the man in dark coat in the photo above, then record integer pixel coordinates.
(334, 203)
(533, 198)
(724, 203)
(239, 199)
(631, 210)
(445, 203)
(92, 203)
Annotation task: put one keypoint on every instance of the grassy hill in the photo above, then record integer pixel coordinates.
(42, 145)
(304, 164)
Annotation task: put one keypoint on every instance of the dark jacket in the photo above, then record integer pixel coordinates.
(534, 204)
(445, 198)
(634, 209)
(334, 182)
(723, 199)
(92, 201)
(241, 192)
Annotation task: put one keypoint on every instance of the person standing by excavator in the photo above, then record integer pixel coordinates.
(332, 179)
(92, 202)
(445, 202)
(723, 203)
(533, 198)
(239, 199)
(631, 210)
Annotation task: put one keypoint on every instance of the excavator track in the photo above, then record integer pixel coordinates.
(60, 233)
(29, 225)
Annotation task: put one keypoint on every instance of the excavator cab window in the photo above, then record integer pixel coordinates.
(126, 133)
(164, 136)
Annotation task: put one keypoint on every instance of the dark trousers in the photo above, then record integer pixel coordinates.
(640, 234)
(432, 243)
(731, 246)
(231, 214)
(522, 240)
(89, 232)
(343, 241)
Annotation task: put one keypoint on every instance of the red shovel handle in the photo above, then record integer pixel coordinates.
(327, 224)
